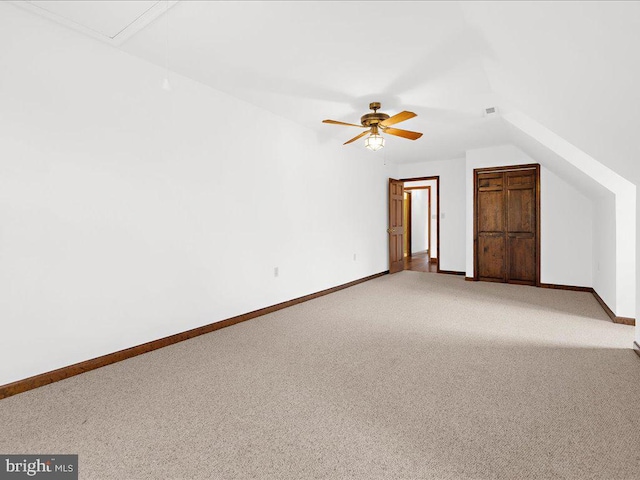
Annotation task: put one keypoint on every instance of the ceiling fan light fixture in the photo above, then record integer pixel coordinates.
(378, 122)
(374, 142)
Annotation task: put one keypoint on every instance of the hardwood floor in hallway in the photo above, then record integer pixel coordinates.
(419, 262)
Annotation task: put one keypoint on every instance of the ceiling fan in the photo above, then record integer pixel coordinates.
(378, 122)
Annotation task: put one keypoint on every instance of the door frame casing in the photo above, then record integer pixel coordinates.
(506, 168)
(407, 227)
(437, 179)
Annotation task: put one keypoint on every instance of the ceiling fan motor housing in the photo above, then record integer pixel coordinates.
(374, 118)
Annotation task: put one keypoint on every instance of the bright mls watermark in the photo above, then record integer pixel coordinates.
(49, 467)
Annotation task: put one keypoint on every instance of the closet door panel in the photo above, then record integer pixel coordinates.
(521, 216)
(490, 211)
(491, 257)
(522, 261)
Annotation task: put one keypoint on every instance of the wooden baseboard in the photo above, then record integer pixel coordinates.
(566, 287)
(469, 279)
(613, 316)
(65, 372)
(605, 307)
(433, 260)
(451, 272)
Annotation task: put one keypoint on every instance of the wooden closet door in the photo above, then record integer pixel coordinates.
(490, 218)
(506, 225)
(521, 226)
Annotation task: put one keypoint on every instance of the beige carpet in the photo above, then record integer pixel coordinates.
(409, 376)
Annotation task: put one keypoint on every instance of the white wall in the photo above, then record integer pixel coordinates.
(122, 217)
(452, 207)
(566, 219)
(566, 242)
(636, 180)
(604, 249)
(420, 221)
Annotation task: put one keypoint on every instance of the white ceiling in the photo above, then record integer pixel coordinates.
(307, 61)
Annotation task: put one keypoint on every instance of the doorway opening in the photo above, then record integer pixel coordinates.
(414, 234)
(419, 254)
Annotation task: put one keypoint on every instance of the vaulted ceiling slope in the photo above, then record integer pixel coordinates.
(571, 66)
(307, 61)
(111, 21)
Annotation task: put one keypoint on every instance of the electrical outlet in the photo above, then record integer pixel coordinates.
(276, 272)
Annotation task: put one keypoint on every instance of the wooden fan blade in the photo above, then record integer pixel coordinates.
(335, 122)
(356, 138)
(400, 117)
(403, 133)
